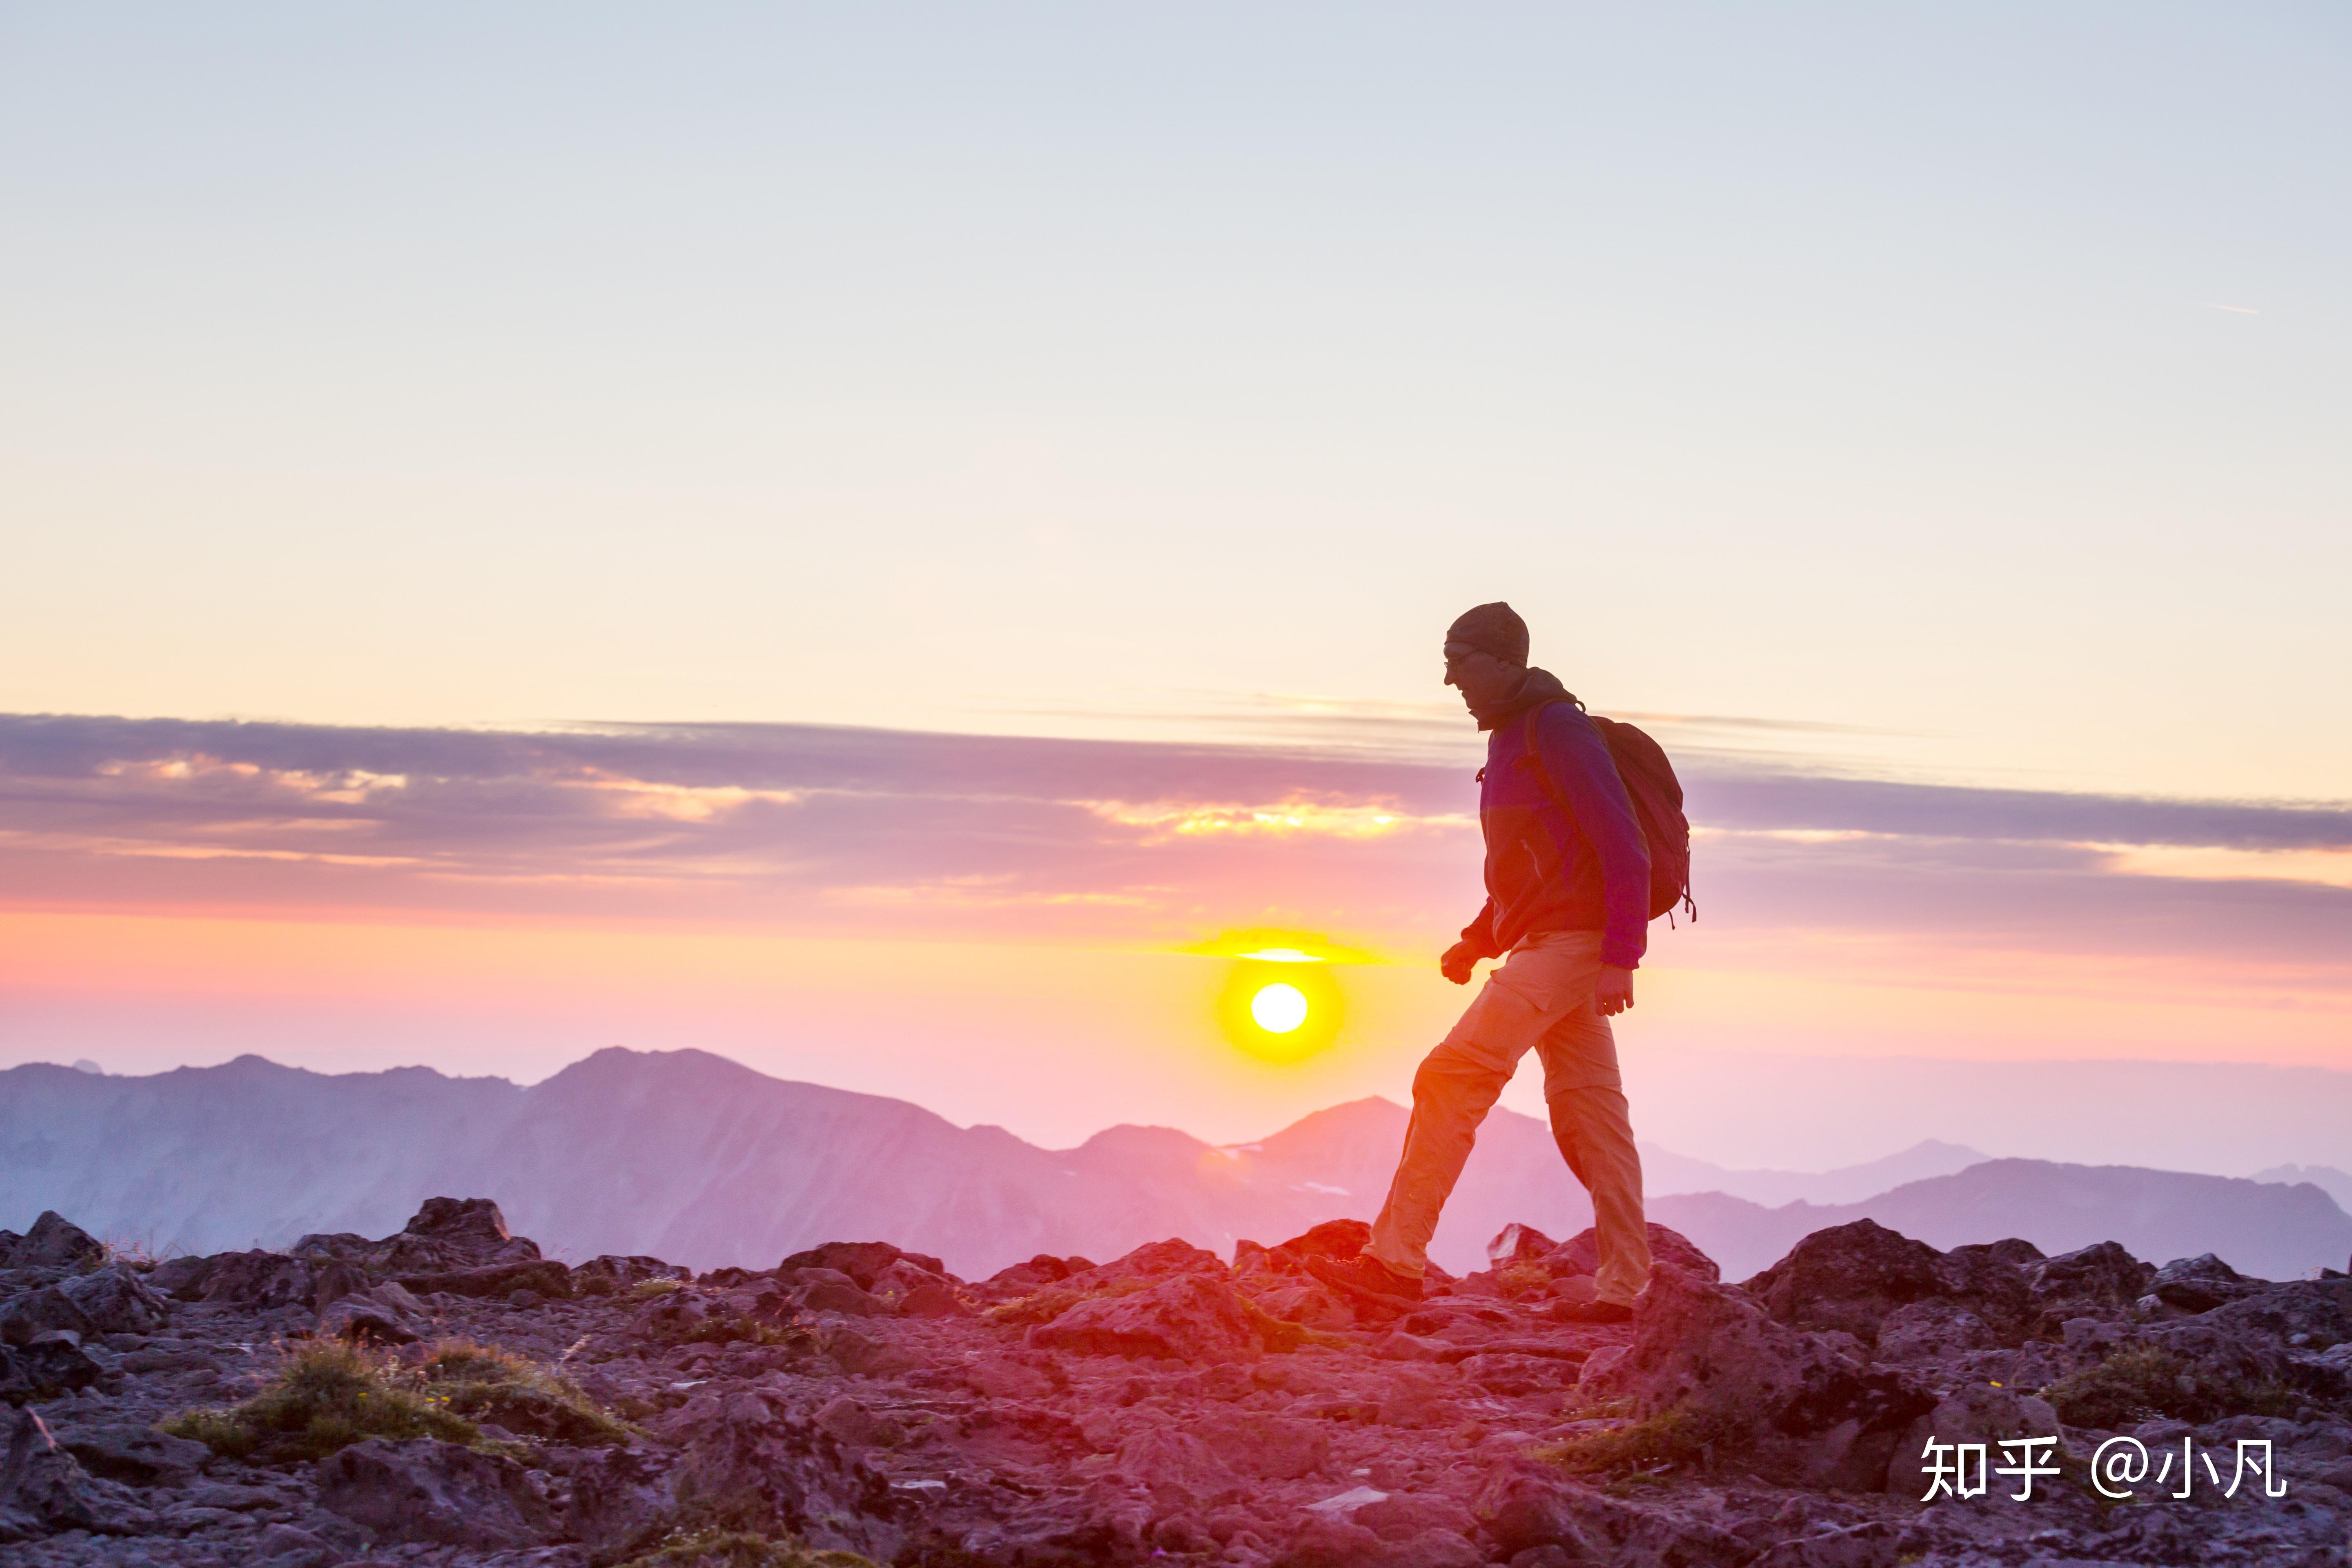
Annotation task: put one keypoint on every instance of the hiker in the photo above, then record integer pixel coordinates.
(1569, 901)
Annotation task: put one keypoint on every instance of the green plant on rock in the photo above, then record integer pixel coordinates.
(1673, 1439)
(488, 1385)
(326, 1395)
(743, 1549)
(2146, 1382)
(646, 1289)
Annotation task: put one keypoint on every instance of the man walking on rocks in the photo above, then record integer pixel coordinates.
(1568, 886)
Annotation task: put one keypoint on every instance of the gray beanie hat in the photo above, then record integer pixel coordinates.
(1494, 629)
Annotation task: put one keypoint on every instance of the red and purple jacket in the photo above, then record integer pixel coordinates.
(1543, 873)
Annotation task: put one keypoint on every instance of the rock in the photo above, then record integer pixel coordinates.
(1516, 1243)
(1021, 1279)
(621, 1504)
(444, 1236)
(1972, 1413)
(861, 1261)
(935, 1300)
(1330, 1544)
(2200, 1284)
(54, 1242)
(116, 1300)
(177, 1276)
(545, 1276)
(1580, 1254)
(1870, 1544)
(25, 1318)
(1790, 1405)
(1334, 1238)
(744, 1463)
(425, 1491)
(1309, 1304)
(43, 1370)
(1848, 1278)
(1431, 1549)
(1187, 1318)
(1263, 1446)
(139, 1456)
(291, 1546)
(1526, 1508)
(822, 1290)
(1931, 1330)
(258, 1279)
(863, 1353)
(2102, 1278)
(1401, 1517)
(44, 1490)
(1415, 1398)
(611, 1273)
(383, 1314)
(1160, 1459)
(468, 1232)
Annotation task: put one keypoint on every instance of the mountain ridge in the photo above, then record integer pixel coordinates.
(693, 1156)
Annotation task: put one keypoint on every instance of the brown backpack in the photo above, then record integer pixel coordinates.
(1657, 798)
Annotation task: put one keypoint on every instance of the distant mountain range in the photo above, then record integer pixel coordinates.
(697, 1159)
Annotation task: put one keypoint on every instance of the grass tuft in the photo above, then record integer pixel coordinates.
(488, 1384)
(2146, 1383)
(646, 1289)
(326, 1395)
(1673, 1439)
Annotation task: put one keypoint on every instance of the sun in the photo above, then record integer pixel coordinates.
(1278, 1008)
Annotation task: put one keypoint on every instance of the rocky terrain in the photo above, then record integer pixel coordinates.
(446, 1395)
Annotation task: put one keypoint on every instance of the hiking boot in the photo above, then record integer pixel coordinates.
(1367, 1278)
(1589, 1312)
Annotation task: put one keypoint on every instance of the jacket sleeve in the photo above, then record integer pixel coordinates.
(1480, 933)
(1577, 760)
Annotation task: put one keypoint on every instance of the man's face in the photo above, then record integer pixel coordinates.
(1481, 678)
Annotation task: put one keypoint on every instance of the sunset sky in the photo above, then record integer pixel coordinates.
(863, 539)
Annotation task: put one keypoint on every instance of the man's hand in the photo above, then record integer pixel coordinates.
(1615, 992)
(1459, 961)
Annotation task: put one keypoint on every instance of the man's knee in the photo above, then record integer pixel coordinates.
(1451, 1074)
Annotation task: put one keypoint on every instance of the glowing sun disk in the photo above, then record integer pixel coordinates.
(1278, 1008)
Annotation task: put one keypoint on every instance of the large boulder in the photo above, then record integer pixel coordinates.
(51, 1366)
(1580, 1254)
(444, 1236)
(54, 1242)
(1189, 1316)
(384, 1314)
(425, 1491)
(258, 1280)
(1848, 1278)
(2200, 1284)
(862, 1261)
(116, 1300)
(44, 1490)
(25, 1318)
(1794, 1406)
(2098, 1280)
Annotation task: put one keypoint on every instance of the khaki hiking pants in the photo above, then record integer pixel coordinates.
(1542, 997)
